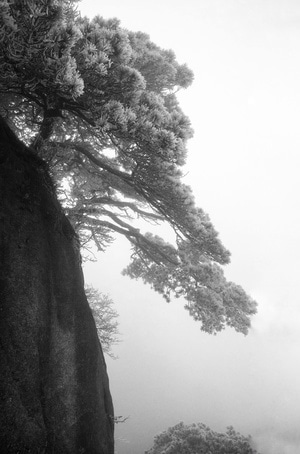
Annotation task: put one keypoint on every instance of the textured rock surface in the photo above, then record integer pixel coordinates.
(54, 394)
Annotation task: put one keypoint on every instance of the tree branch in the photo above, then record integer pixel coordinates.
(140, 188)
(132, 206)
(100, 162)
(134, 236)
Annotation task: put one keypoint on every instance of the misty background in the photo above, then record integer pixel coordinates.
(243, 166)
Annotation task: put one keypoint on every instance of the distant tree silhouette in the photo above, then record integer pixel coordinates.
(200, 439)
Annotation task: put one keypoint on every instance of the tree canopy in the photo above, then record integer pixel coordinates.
(200, 439)
(98, 103)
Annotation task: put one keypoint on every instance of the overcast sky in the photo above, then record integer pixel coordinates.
(244, 169)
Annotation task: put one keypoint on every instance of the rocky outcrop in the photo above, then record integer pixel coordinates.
(54, 393)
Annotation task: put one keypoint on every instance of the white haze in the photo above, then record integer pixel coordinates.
(244, 169)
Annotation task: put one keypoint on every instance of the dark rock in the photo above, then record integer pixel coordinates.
(54, 392)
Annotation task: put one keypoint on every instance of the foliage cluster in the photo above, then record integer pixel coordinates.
(200, 439)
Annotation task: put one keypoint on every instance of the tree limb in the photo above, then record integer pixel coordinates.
(132, 206)
(134, 236)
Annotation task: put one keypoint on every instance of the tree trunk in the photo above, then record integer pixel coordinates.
(54, 393)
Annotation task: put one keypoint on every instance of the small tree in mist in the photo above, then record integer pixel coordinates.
(105, 318)
(200, 439)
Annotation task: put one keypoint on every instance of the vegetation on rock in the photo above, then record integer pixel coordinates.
(105, 317)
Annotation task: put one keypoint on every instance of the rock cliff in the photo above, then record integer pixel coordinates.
(54, 392)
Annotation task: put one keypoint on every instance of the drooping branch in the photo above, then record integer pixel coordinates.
(163, 204)
(134, 236)
(126, 177)
(99, 162)
(130, 205)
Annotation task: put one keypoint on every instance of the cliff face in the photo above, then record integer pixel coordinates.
(54, 393)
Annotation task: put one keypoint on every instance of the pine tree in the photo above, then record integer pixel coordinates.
(98, 103)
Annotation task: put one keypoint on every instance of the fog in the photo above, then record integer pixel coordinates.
(244, 169)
